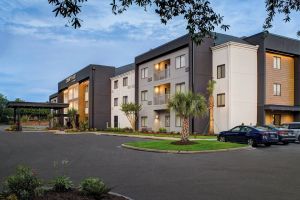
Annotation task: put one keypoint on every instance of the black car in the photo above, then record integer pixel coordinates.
(248, 134)
(285, 136)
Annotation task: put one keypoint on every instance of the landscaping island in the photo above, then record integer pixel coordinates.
(196, 147)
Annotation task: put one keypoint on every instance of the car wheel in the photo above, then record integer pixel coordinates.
(222, 139)
(285, 143)
(252, 142)
(267, 144)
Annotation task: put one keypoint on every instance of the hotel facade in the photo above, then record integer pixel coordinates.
(257, 82)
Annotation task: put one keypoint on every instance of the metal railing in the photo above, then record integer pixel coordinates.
(161, 99)
(162, 74)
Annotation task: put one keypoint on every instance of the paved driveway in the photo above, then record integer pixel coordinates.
(265, 173)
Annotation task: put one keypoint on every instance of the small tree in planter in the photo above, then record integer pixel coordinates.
(187, 105)
(72, 113)
(131, 111)
(211, 104)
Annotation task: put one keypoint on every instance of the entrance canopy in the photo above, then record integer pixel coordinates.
(55, 106)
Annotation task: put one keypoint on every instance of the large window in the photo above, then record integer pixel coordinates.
(144, 95)
(180, 61)
(144, 121)
(115, 101)
(125, 81)
(178, 121)
(167, 121)
(116, 84)
(180, 87)
(125, 99)
(221, 100)
(276, 62)
(221, 71)
(144, 72)
(277, 89)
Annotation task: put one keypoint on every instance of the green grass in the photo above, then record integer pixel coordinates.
(165, 135)
(199, 146)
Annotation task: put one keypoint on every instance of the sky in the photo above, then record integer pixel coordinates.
(38, 50)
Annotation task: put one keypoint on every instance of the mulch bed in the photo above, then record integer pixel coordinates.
(74, 195)
(183, 143)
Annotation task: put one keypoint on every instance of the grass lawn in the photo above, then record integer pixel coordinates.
(165, 135)
(199, 146)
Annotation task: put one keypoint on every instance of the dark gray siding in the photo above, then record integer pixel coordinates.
(80, 76)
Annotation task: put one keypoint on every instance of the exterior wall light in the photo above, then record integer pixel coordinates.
(157, 66)
(156, 90)
(157, 117)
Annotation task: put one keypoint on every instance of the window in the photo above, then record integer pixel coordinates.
(276, 62)
(115, 101)
(144, 95)
(178, 121)
(277, 89)
(277, 119)
(221, 71)
(144, 72)
(236, 129)
(115, 84)
(167, 121)
(125, 81)
(180, 62)
(221, 100)
(86, 109)
(180, 87)
(75, 92)
(144, 121)
(125, 99)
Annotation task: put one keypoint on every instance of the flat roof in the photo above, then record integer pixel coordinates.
(14, 104)
(282, 108)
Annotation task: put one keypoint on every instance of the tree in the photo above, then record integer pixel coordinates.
(131, 110)
(210, 90)
(72, 113)
(187, 105)
(5, 113)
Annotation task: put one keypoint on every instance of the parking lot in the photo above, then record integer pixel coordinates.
(263, 173)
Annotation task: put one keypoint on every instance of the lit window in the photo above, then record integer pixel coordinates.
(180, 87)
(180, 61)
(144, 121)
(115, 101)
(277, 89)
(144, 95)
(221, 71)
(144, 72)
(276, 62)
(125, 99)
(221, 100)
(115, 84)
(125, 81)
(75, 92)
(178, 121)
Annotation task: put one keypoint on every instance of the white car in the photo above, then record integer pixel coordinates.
(294, 126)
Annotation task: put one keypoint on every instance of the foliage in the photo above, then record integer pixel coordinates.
(187, 105)
(84, 125)
(62, 184)
(5, 113)
(131, 110)
(162, 130)
(72, 114)
(210, 90)
(24, 118)
(94, 187)
(127, 130)
(22, 184)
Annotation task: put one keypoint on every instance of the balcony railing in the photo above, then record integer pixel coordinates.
(163, 74)
(161, 99)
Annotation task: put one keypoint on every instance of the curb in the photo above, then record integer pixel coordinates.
(185, 152)
(120, 195)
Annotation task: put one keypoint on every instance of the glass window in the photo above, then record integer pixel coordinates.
(178, 121)
(180, 62)
(144, 95)
(75, 92)
(144, 121)
(70, 93)
(125, 99)
(125, 81)
(115, 101)
(221, 71)
(236, 129)
(276, 62)
(180, 87)
(221, 100)
(167, 121)
(116, 84)
(144, 72)
(277, 89)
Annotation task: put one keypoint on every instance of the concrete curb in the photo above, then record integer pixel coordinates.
(185, 152)
(120, 195)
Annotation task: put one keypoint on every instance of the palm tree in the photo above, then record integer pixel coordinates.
(187, 105)
(72, 113)
(210, 91)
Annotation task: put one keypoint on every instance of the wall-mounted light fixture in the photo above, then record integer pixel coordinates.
(157, 66)
(157, 117)
(156, 90)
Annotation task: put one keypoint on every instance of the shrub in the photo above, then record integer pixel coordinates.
(162, 130)
(22, 184)
(94, 187)
(84, 125)
(62, 184)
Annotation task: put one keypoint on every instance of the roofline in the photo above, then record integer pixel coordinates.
(230, 43)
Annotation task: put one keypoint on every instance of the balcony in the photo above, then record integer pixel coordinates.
(161, 99)
(162, 74)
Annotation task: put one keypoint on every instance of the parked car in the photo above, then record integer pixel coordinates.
(295, 127)
(249, 135)
(285, 136)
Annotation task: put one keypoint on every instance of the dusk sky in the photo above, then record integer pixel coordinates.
(37, 50)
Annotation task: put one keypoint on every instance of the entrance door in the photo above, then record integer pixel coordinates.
(116, 122)
(277, 119)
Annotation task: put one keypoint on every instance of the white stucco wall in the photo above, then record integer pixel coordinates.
(119, 93)
(239, 85)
